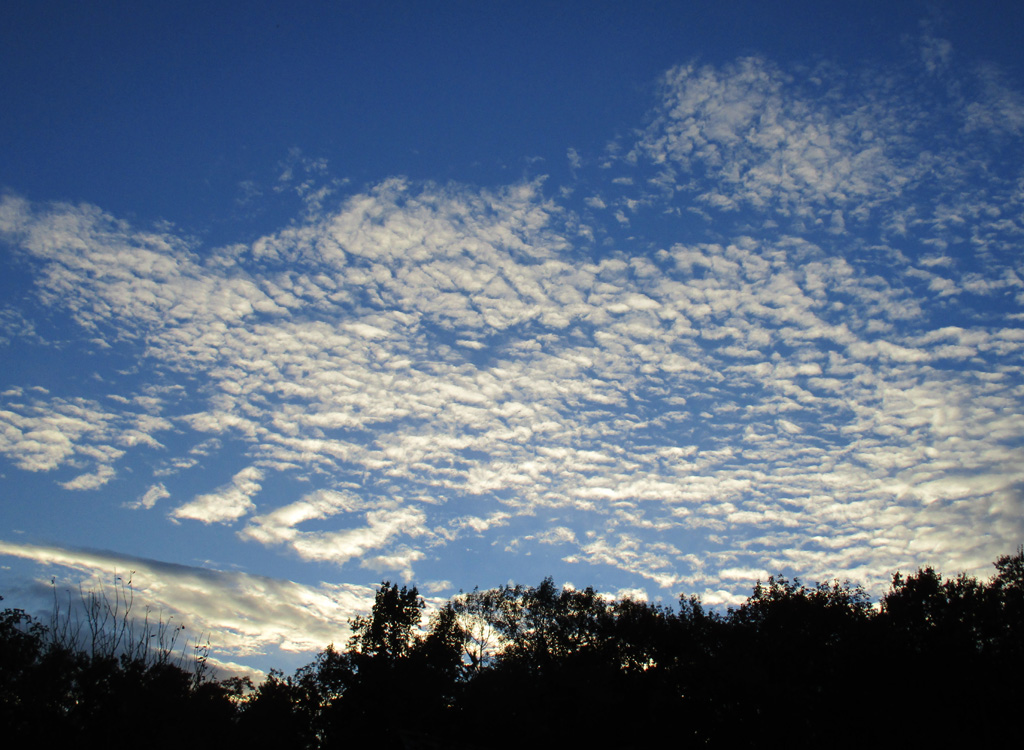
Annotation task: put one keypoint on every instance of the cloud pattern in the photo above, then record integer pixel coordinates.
(244, 615)
(777, 328)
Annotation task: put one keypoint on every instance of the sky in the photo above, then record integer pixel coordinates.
(661, 299)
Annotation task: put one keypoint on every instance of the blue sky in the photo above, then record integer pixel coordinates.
(660, 300)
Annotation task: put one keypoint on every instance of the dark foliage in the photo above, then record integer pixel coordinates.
(58, 685)
(795, 664)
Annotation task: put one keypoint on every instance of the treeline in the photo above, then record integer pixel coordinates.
(938, 661)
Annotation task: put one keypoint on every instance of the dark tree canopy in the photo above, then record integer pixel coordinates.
(794, 664)
(388, 631)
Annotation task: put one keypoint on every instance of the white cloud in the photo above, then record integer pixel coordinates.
(400, 560)
(1000, 108)
(90, 481)
(152, 496)
(747, 575)
(243, 614)
(227, 503)
(557, 535)
(43, 434)
(765, 138)
(829, 380)
(383, 522)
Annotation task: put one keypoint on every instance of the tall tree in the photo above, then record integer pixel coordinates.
(388, 632)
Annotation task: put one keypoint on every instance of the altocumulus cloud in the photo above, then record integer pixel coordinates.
(227, 503)
(811, 362)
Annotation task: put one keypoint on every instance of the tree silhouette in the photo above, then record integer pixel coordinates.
(388, 633)
(280, 713)
(55, 688)
(569, 666)
(1007, 594)
(387, 663)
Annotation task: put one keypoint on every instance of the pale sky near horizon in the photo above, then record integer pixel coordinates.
(658, 299)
